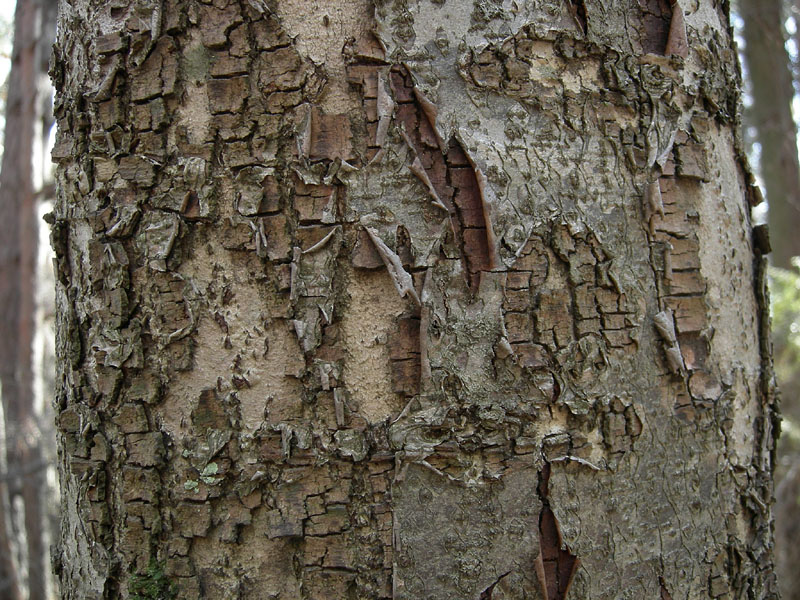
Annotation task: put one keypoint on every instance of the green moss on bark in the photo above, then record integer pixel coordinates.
(152, 585)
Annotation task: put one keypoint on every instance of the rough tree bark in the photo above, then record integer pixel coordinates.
(28, 119)
(770, 74)
(408, 299)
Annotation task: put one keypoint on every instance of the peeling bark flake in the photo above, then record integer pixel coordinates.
(321, 244)
(401, 278)
(417, 169)
(677, 41)
(665, 325)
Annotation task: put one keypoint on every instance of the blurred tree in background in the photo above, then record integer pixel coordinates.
(26, 446)
(785, 287)
(769, 116)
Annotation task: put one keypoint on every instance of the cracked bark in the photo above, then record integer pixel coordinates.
(338, 288)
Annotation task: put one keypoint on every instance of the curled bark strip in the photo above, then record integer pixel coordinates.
(654, 200)
(431, 112)
(668, 262)
(338, 404)
(155, 32)
(304, 137)
(665, 326)
(661, 159)
(491, 240)
(417, 169)
(260, 237)
(424, 323)
(452, 179)
(104, 89)
(577, 459)
(653, 204)
(401, 278)
(321, 244)
(385, 108)
(294, 274)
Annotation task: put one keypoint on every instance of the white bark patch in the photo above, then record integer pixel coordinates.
(318, 28)
(194, 113)
(366, 326)
(727, 266)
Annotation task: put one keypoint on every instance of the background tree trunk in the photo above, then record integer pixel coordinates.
(28, 120)
(9, 580)
(770, 113)
(408, 300)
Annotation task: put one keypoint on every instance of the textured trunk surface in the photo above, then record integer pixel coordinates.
(408, 299)
(771, 114)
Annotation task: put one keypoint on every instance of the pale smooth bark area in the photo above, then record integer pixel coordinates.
(408, 299)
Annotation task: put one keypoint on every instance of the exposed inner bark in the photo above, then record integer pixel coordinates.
(656, 18)
(449, 172)
(555, 564)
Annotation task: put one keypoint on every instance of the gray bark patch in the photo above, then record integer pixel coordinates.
(443, 545)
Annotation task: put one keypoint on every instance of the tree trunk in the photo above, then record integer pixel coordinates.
(771, 114)
(9, 578)
(28, 119)
(408, 299)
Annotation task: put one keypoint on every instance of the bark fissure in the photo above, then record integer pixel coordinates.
(556, 565)
(578, 10)
(487, 593)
